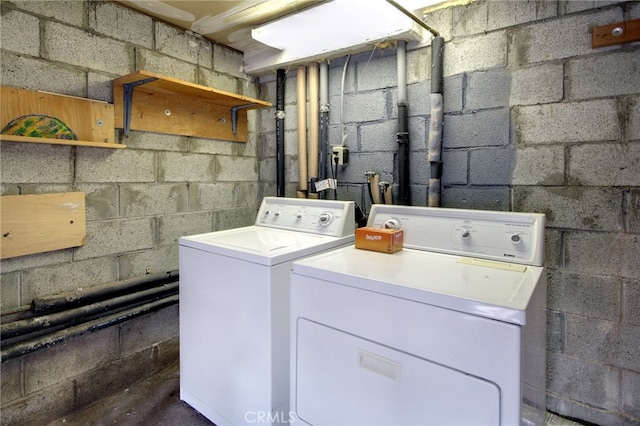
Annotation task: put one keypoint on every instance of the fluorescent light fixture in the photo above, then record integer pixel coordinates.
(333, 28)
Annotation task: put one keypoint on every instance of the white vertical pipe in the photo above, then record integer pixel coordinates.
(314, 124)
(301, 93)
(401, 57)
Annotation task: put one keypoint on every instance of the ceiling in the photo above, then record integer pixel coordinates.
(230, 23)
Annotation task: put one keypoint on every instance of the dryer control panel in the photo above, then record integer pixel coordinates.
(327, 217)
(494, 235)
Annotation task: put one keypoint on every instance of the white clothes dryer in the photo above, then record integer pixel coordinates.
(234, 307)
(448, 331)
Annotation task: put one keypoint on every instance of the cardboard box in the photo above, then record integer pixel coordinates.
(380, 239)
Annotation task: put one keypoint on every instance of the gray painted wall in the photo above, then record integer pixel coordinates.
(535, 120)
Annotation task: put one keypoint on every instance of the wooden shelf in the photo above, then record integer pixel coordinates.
(155, 103)
(91, 121)
(27, 139)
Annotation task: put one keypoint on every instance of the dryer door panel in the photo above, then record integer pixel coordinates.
(361, 382)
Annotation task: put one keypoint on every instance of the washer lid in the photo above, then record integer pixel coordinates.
(263, 245)
(497, 290)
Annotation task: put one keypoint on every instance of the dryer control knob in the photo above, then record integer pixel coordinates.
(325, 218)
(392, 224)
(515, 239)
(465, 234)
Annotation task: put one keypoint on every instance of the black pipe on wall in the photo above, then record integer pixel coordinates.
(280, 76)
(404, 193)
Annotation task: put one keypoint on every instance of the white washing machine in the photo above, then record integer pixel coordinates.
(448, 331)
(234, 307)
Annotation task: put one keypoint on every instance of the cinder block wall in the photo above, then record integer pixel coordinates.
(535, 120)
(139, 199)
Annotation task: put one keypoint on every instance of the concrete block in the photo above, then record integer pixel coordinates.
(558, 38)
(180, 167)
(65, 277)
(612, 74)
(491, 166)
(122, 23)
(360, 163)
(113, 378)
(630, 392)
(42, 407)
(62, 362)
(159, 141)
(172, 227)
(99, 86)
(73, 46)
(20, 33)
(453, 93)
(142, 332)
(610, 164)
(503, 14)
(555, 331)
(246, 195)
(267, 170)
(117, 165)
(102, 201)
(571, 6)
(570, 408)
(475, 53)
(362, 107)
(379, 136)
(29, 163)
(470, 19)
(633, 126)
(175, 42)
(418, 66)
(218, 80)
(589, 296)
(11, 383)
(236, 218)
(567, 122)
(454, 167)
(158, 63)
(145, 200)
(418, 195)
(116, 236)
(539, 165)
(9, 291)
(419, 168)
(538, 84)
(478, 129)
(36, 260)
(488, 89)
(441, 20)
(336, 71)
(553, 248)
(591, 253)
(634, 10)
(228, 61)
(631, 302)
(236, 169)
(139, 263)
(603, 342)
(576, 207)
(478, 197)
(374, 74)
(351, 136)
(70, 11)
(598, 386)
(211, 196)
(35, 74)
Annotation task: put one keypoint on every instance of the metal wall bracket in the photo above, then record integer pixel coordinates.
(127, 90)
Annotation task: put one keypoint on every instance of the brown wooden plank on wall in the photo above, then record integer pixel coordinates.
(618, 33)
(37, 223)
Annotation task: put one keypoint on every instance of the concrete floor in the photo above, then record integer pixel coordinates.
(156, 401)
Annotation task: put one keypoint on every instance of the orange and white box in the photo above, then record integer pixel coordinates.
(380, 239)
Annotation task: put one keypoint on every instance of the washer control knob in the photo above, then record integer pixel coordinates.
(277, 213)
(298, 216)
(266, 213)
(465, 234)
(515, 239)
(325, 218)
(392, 224)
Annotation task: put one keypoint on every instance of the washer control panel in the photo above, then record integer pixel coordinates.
(336, 218)
(495, 235)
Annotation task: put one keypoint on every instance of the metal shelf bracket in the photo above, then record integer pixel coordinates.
(127, 91)
(234, 115)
